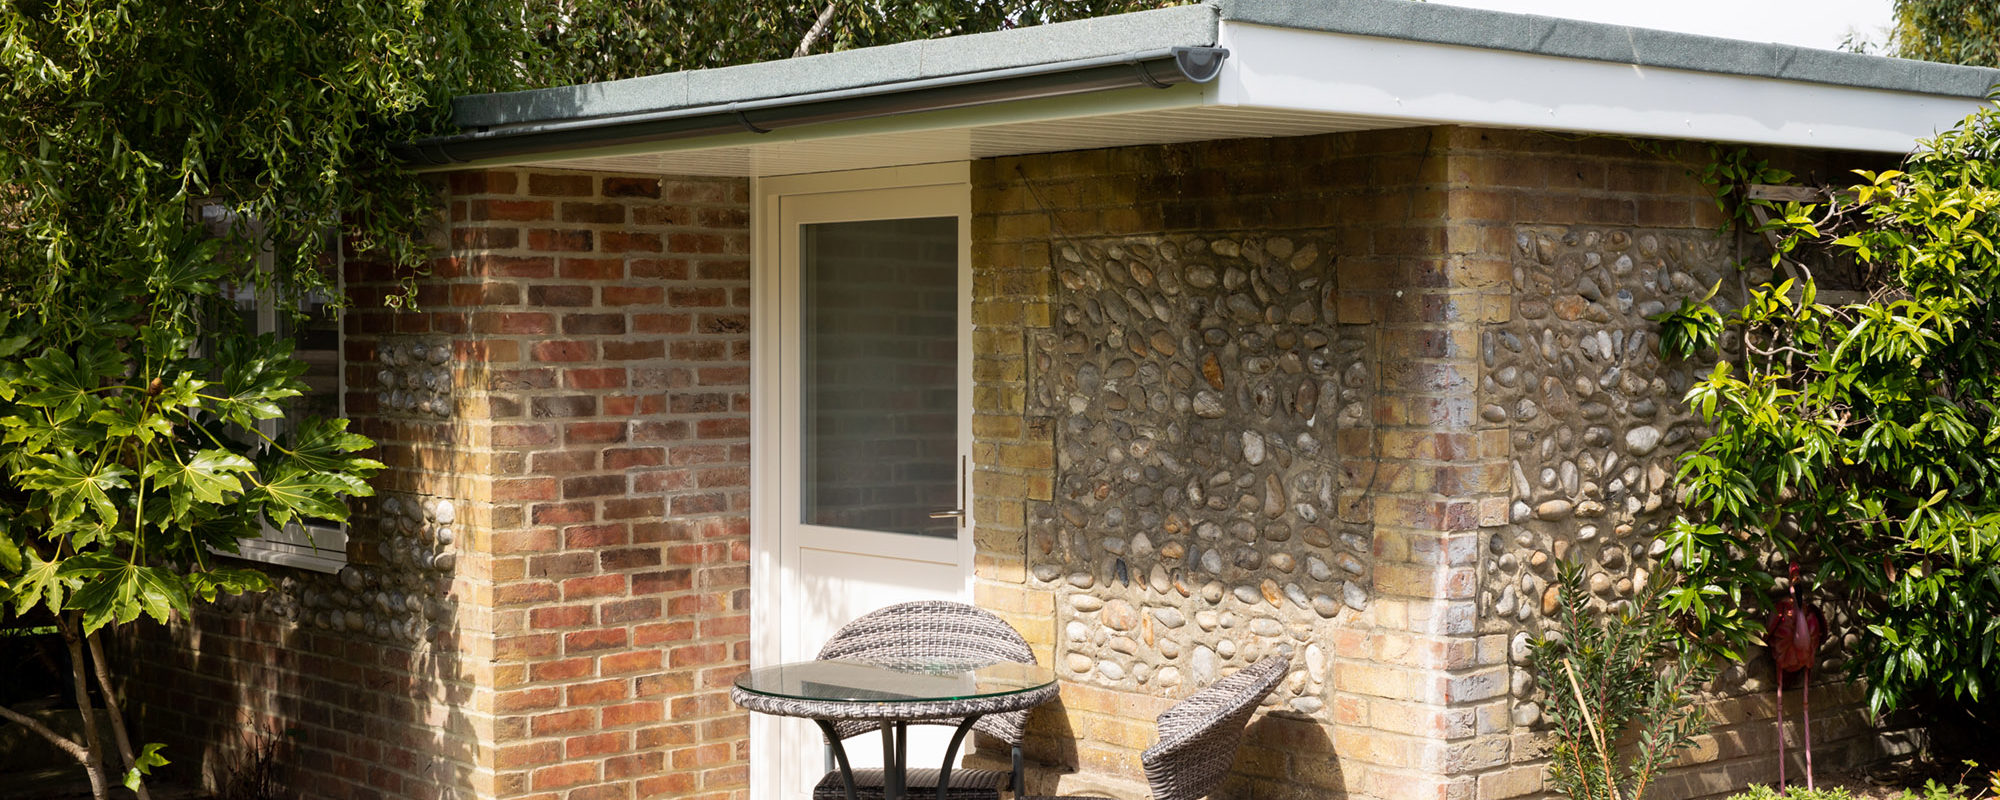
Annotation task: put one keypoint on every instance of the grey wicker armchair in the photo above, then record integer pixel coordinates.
(931, 630)
(1199, 735)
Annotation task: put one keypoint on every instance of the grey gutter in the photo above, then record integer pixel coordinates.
(1567, 38)
(1159, 69)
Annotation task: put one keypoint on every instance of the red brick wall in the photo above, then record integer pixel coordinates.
(594, 605)
(616, 339)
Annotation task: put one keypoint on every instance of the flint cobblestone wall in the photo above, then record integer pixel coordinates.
(549, 595)
(1591, 237)
(1349, 396)
(1200, 445)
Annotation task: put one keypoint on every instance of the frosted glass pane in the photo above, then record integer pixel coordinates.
(879, 374)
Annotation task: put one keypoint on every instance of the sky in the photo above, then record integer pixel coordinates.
(1807, 23)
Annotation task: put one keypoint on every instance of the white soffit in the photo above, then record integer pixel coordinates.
(953, 139)
(1362, 76)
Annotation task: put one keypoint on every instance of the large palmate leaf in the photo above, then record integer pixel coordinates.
(210, 583)
(128, 416)
(325, 444)
(10, 550)
(75, 486)
(292, 492)
(209, 476)
(111, 590)
(68, 386)
(257, 374)
(40, 584)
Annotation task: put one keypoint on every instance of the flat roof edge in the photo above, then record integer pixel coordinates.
(1567, 38)
(1080, 40)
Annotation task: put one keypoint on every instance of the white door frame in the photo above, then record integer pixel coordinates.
(771, 299)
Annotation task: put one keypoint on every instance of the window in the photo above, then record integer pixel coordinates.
(319, 545)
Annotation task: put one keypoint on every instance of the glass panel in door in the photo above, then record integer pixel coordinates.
(879, 375)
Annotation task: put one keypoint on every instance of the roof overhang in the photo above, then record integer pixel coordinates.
(1292, 68)
(1347, 75)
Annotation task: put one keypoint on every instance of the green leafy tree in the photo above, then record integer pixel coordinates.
(1862, 439)
(1952, 31)
(129, 407)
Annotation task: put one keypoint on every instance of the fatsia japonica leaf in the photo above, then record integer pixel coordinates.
(211, 583)
(210, 476)
(67, 386)
(74, 486)
(40, 584)
(258, 373)
(130, 416)
(10, 550)
(113, 590)
(324, 444)
(290, 492)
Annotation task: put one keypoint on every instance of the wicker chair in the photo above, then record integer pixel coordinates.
(1199, 735)
(931, 630)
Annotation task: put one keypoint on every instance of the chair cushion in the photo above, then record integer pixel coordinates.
(966, 784)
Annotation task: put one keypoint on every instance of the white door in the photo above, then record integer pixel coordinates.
(863, 405)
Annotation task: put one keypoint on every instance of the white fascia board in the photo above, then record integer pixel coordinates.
(1421, 81)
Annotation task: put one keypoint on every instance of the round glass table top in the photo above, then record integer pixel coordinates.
(841, 680)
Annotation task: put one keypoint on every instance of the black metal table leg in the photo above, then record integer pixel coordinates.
(839, 755)
(892, 769)
(951, 753)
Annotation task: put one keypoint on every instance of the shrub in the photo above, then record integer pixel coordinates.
(1608, 676)
(1863, 439)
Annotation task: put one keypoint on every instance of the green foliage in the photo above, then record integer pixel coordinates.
(1932, 790)
(1758, 791)
(608, 39)
(1607, 677)
(144, 763)
(1952, 31)
(1728, 175)
(120, 115)
(133, 451)
(1692, 328)
(1863, 438)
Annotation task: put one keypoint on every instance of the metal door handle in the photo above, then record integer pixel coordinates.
(959, 512)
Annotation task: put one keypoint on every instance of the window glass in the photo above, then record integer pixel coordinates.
(879, 374)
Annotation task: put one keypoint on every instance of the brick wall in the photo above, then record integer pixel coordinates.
(584, 598)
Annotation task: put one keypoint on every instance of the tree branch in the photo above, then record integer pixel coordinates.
(67, 744)
(117, 711)
(818, 28)
(71, 624)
